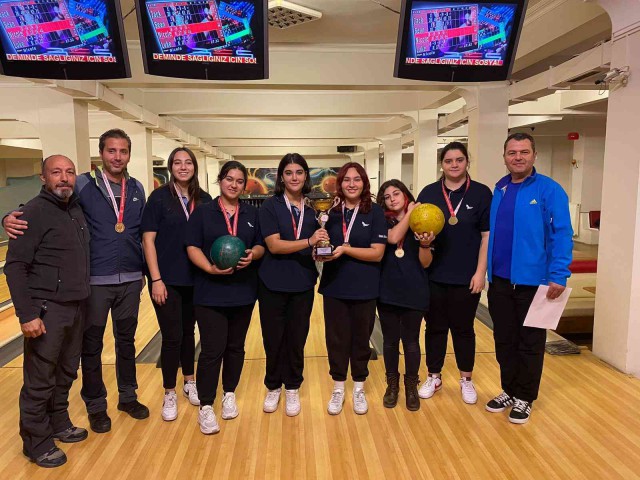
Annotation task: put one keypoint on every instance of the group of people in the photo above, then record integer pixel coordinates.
(92, 231)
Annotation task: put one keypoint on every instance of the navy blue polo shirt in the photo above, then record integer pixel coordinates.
(456, 248)
(164, 215)
(241, 287)
(403, 281)
(503, 239)
(295, 272)
(347, 278)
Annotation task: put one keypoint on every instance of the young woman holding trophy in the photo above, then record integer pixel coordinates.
(404, 292)
(287, 279)
(350, 283)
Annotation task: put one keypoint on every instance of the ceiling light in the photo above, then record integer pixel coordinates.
(283, 14)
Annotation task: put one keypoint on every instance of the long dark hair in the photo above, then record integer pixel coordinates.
(365, 196)
(193, 189)
(233, 165)
(408, 196)
(289, 159)
(454, 146)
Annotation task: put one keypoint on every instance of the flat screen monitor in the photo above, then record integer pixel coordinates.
(456, 41)
(204, 39)
(63, 39)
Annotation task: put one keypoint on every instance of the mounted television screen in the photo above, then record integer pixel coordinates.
(204, 39)
(62, 39)
(455, 41)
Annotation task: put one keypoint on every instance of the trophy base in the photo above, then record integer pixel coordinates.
(324, 251)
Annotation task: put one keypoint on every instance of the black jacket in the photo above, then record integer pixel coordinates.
(51, 260)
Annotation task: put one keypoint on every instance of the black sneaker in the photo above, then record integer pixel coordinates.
(135, 409)
(53, 458)
(499, 404)
(520, 412)
(71, 435)
(100, 422)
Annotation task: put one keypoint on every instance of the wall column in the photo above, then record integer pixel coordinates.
(488, 111)
(372, 165)
(392, 145)
(141, 164)
(425, 150)
(616, 333)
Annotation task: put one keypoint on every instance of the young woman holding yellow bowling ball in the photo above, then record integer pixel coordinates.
(457, 273)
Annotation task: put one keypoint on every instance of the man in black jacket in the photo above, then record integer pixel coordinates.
(47, 271)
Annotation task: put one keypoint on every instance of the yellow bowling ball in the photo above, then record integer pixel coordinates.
(426, 218)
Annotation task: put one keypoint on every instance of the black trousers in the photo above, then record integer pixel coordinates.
(284, 318)
(400, 323)
(519, 349)
(451, 307)
(348, 325)
(177, 326)
(124, 301)
(223, 331)
(50, 366)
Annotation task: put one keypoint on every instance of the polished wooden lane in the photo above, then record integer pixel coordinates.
(585, 425)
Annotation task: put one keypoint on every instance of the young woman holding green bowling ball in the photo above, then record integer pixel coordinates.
(171, 274)
(457, 273)
(223, 298)
(404, 292)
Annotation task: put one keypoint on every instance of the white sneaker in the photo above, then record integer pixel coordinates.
(336, 402)
(292, 402)
(271, 401)
(207, 420)
(468, 391)
(170, 407)
(360, 405)
(229, 407)
(191, 392)
(430, 386)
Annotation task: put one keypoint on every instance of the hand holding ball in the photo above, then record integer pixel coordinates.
(426, 218)
(227, 251)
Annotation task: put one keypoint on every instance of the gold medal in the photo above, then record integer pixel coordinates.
(119, 227)
(453, 220)
(345, 244)
(399, 252)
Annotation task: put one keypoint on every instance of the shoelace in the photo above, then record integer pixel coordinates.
(291, 397)
(359, 397)
(432, 380)
(228, 401)
(520, 405)
(336, 397)
(467, 386)
(272, 396)
(208, 414)
(502, 398)
(169, 401)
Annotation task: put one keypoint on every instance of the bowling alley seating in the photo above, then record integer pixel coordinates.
(578, 314)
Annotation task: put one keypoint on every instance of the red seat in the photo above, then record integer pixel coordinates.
(584, 266)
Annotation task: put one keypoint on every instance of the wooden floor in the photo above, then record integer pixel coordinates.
(585, 425)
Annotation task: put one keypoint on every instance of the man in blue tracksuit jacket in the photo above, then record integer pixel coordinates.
(115, 275)
(530, 245)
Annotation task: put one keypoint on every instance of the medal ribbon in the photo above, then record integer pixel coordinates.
(231, 231)
(297, 229)
(184, 208)
(123, 196)
(453, 212)
(346, 231)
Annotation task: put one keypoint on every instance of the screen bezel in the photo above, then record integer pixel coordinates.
(74, 70)
(202, 70)
(454, 73)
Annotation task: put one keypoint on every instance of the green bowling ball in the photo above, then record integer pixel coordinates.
(227, 251)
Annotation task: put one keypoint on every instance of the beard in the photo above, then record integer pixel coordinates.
(61, 192)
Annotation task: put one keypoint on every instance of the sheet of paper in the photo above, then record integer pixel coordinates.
(545, 313)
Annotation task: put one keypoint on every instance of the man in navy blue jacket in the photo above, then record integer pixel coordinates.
(530, 245)
(112, 202)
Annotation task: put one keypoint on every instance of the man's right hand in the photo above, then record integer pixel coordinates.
(33, 329)
(13, 225)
